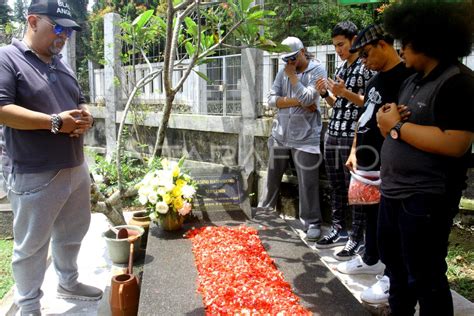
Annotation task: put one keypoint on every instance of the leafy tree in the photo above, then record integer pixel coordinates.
(19, 11)
(191, 31)
(5, 12)
(312, 21)
(195, 30)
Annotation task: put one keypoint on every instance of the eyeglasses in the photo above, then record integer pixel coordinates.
(364, 53)
(58, 29)
(291, 58)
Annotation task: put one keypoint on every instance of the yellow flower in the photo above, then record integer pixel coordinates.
(176, 171)
(166, 198)
(178, 203)
(180, 183)
(177, 191)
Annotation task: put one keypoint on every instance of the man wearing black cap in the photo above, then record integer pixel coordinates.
(45, 116)
(375, 48)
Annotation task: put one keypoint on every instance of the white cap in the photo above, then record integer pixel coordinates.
(295, 45)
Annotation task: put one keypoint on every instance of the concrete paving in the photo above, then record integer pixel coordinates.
(358, 283)
(96, 269)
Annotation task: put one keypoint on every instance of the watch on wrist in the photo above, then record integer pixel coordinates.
(56, 123)
(395, 132)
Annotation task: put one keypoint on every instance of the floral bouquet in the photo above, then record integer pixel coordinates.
(167, 193)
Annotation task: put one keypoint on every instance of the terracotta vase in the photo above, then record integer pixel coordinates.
(124, 295)
(171, 222)
(142, 220)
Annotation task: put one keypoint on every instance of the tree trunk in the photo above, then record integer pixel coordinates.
(99, 204)
(160, 139)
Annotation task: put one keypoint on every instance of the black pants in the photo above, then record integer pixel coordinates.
(371, 253)
(336, 152)
(413, 243)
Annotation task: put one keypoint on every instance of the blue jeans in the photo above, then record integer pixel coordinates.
(413, 242)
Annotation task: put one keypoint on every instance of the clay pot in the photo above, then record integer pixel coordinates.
(171, 222)
(124, 295)
(119, 249)
(142, 220)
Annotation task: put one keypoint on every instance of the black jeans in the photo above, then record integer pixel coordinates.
(371, 253)
(413, 242)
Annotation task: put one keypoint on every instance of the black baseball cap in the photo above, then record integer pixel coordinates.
(57, 10)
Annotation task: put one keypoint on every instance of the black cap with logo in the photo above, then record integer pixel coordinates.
(57, 10)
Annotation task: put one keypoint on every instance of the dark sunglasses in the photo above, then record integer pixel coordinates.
(364, 53)
(58, 29)
(291, 58)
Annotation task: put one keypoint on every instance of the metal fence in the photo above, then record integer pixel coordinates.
(221, 95)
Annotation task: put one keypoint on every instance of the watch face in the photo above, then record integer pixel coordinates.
(394, 133)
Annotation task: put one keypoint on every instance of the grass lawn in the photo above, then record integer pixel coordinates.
(6, 279)
(461, 261)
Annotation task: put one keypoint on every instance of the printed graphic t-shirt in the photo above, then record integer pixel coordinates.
(345, 113)
(382, 88)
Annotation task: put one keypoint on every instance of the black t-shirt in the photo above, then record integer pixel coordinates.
(444, 98)
(454, 110)
(382, 88)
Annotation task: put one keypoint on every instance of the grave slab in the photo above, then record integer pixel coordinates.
(170, 277)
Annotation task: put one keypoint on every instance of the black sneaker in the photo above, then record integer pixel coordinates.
(351, 249)
(335, 238)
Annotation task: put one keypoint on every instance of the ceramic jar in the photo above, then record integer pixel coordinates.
(142, 220)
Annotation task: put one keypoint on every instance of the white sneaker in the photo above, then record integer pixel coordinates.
(377, 293)
(357, 266)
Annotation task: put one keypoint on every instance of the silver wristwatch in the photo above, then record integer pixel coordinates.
(56, 123)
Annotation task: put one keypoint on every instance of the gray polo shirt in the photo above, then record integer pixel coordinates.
(28, 82)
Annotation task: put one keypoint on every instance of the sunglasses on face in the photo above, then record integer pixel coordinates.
(58, 29)
(364, 53)
(291, 58)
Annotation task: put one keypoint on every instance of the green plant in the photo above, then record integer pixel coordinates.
(105, 172)
(6, 278)
(460, 261)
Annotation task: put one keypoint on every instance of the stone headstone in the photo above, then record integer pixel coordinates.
(221, 191)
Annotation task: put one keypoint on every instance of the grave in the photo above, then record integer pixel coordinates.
(169, 284)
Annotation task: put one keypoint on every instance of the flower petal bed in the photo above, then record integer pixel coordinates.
(237, 276)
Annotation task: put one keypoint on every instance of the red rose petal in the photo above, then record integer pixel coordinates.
(237, 276)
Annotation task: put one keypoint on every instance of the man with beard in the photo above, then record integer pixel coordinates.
(45, 116)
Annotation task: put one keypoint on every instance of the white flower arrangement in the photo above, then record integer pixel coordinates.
(167, 190)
